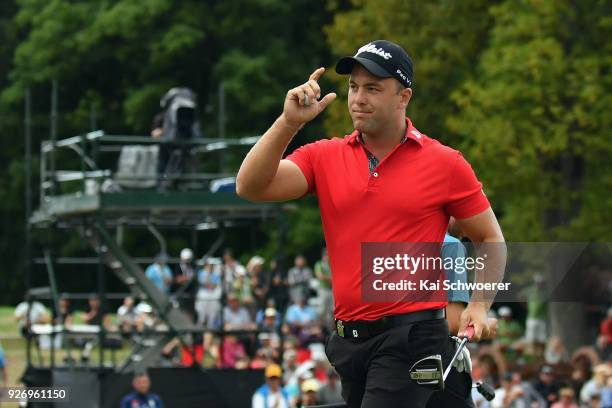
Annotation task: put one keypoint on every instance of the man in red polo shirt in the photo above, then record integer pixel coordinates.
(386, 182)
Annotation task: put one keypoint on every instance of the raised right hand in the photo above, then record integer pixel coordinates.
(302, 103)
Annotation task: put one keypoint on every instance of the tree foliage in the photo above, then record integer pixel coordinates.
(535, 119)
(121, 56)
(521, 87)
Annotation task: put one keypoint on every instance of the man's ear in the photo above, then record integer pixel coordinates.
(406, 95)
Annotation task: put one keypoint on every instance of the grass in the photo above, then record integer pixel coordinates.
(15, 350)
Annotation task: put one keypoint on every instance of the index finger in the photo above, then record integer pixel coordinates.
(317, 74)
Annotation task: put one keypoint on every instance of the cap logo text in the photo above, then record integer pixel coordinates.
(372, 49)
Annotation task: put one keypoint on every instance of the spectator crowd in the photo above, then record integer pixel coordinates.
(259, 316)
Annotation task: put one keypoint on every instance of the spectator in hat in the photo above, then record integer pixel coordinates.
(546, 385)
(308, 396)
(271, 394)
(145, 318)
(186, 271)
(243, 289)
(159, 273)
(185, 280)
(508, 329)
(331, 391)
(235, 316)
(269, 320)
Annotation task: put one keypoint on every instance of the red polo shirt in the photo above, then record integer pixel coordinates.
(408, 198)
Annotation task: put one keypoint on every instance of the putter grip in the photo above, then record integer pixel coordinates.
(469, 332)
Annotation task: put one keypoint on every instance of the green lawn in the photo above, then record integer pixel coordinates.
(15, 349)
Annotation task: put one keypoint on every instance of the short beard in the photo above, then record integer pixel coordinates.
(366, 126)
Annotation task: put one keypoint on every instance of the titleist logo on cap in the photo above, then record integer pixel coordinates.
(372, 48)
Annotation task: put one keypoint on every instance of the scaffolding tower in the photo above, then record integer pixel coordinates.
(105, 194)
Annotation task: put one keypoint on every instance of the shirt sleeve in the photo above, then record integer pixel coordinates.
(466, 197)
(304, 158)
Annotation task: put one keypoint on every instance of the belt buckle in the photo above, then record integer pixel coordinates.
(340, 328)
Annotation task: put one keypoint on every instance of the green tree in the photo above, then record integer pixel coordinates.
(535, 124)
(121, 56)
(443, 38)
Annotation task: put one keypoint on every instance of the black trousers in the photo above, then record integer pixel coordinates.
(375, 372)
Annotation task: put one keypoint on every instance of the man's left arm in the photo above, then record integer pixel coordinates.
(484, 231)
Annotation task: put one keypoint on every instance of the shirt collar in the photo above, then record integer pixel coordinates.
(411, 133)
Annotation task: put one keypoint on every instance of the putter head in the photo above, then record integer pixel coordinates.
(427, 372)
(485, 390)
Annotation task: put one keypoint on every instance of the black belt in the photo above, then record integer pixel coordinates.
(363, 329)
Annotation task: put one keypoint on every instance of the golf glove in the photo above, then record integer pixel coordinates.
(463, 362)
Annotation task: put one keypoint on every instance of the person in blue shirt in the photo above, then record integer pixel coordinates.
(141, 397)
(3, 371)
(159, 273)
(458, 299)
(300, 313)
(457, 302)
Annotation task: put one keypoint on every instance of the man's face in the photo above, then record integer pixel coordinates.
(142, 384)
(274, 383)
(374, 103)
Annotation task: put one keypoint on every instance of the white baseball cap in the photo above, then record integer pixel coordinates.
(186, 253)
(504, 311)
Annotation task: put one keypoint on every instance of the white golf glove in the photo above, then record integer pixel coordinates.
(463, 362)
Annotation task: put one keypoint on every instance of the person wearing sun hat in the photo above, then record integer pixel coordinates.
(271, 394)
